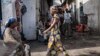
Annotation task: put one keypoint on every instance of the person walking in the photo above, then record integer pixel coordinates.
(55, 46)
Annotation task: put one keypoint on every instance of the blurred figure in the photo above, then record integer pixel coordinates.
(12, 39)
(18, 6)
(21, 9)
(55, 46)
(40, 30)
(61, 16)
(67, 20)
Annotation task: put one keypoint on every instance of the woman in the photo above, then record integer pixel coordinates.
(18, 6)
(54, 45)
(12, 39)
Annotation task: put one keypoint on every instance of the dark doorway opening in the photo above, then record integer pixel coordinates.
(50, 2)
(0, 17)
(0, 11)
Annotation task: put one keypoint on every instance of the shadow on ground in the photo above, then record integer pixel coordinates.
(76, 42)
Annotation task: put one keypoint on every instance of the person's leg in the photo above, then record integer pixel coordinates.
(64, 28)
(59, 46)
(61, 49)
(50, 45)
(69, 30)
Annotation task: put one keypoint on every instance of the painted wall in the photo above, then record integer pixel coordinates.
(91, 6)
(29, 20)
(78, 10)
(99, 14)
(8, 11)
(37, 11)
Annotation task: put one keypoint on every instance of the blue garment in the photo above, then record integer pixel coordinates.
(10, 21)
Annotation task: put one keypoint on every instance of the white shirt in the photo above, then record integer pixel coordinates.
(67, 17)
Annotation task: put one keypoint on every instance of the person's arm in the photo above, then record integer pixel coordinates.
(53, 24)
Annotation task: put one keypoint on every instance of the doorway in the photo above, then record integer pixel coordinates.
(0, 17)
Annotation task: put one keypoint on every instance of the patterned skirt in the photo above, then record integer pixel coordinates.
(55, 46)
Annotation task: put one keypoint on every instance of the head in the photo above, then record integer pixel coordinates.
(60, 10)
(12, 23)
(65, 5)
(53, 10)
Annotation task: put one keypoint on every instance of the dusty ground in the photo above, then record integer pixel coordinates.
(83, 45)
(2, 48)
(87, 45)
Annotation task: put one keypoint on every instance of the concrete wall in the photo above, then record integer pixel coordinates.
(29, 20)
(37, 11)
(8, 11)
(91, 7)
(99, 14)
(78, 10)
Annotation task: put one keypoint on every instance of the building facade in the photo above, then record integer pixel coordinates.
(92, 8)
(30, 19)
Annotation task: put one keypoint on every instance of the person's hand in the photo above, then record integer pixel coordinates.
(45, 32)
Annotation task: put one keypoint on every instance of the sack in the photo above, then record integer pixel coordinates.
(27, 50)
(23, 9)
(22, 52)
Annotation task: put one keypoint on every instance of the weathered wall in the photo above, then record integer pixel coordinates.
(91, 7)
(8, 11)
(99, 14)
(29, 20)
(37, 11)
